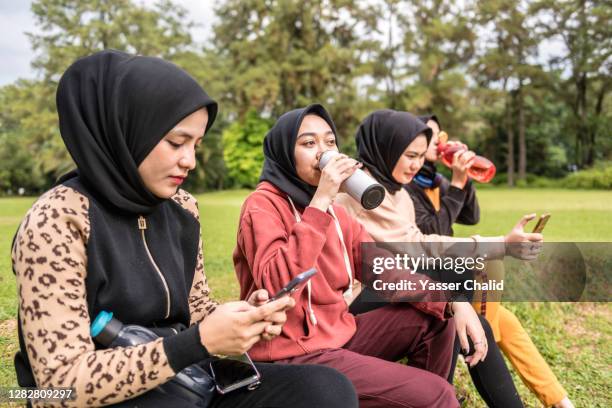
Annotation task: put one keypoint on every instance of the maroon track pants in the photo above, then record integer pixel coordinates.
(384, 336)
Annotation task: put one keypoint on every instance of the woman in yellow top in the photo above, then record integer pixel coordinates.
(439, 203)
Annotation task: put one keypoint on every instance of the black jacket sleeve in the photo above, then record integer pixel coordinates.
(470, 212)
(456, 205)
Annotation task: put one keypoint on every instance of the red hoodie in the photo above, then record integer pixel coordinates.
(273, 248)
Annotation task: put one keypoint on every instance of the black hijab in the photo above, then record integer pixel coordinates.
(382, 138)
(113, 110)
(428, 177)
(279, 152)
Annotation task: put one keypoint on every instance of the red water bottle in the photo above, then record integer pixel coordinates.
(482, 169)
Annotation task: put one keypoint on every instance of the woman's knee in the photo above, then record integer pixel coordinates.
(327, 387)
(441, 393)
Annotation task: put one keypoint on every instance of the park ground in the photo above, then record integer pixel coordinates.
(575, 338)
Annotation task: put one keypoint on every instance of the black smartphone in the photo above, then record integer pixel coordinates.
(295, 284)
(541, 223)
(234, 372)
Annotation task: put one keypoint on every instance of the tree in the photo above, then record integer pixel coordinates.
(28, 127)
(70, 29)
(584, 28)
(438, 43)
(282, 54)
(505, 61)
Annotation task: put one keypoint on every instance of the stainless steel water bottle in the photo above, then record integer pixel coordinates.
(360, 186)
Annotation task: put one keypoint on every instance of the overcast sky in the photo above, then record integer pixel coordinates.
(16, 19)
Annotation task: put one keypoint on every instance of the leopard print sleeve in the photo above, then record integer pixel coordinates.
(49, 259)
(200, 302)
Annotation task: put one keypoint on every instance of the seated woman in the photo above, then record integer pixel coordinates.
(290, 224)
(392, 146)
(438, 204)
(119, 235)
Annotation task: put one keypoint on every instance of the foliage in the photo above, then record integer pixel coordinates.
(598, 177)
(282, 54)
(70, 30)
(583, 26)
(32, 150)
(243, 151)
(477, 64)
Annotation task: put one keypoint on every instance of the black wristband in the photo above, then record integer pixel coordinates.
(185, 348)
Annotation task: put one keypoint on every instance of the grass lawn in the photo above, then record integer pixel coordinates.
(574, 338)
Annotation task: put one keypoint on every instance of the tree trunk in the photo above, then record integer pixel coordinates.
(594, 127)
(581, 116)
(391, 83)
(510, 135)
(522, 159)
(581, 90)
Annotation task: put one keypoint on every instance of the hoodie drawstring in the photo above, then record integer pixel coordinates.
(348, 294)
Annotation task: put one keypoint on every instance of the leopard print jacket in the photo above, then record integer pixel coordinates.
(49, 260)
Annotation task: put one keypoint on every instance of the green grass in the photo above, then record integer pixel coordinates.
(584, 216)
(574, 338)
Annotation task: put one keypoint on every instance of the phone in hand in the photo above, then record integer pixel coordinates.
(234, 372)
(541, 223)
(295, 284)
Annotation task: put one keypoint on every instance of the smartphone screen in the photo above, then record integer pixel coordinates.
(232, 373)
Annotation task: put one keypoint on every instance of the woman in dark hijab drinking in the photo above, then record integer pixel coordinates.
(290, 224)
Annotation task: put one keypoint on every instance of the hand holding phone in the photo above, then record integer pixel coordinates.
(295, 284)
(541, 223)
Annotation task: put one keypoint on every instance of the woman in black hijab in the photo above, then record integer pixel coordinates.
(290, 224)
(279, 150)
(393, 146)
(449, 200)
(118, 235)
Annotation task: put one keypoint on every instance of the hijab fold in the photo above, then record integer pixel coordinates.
(114, 108)
(382, 138)
(279, 151)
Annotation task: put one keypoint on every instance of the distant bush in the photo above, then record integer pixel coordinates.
(598, 177)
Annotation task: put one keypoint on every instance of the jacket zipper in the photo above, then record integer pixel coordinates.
(142, 226)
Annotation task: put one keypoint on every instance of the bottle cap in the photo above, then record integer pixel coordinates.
(442, 137)
(100, 322)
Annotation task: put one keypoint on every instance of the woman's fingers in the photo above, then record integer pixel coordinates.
(524, 220)
(273, 330)
(264, 311)
(342, 169)
(463, 339)
(480, 352)
(239, 306)
(277, 318)
(341, 166)
(534, 237)
(258, 298)
(479, 340)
